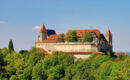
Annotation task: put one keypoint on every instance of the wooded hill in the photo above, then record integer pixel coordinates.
(34, 65)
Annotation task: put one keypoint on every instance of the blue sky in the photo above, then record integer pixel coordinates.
(18, 17)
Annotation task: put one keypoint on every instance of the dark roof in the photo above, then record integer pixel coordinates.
(50, 32)
(103, 37)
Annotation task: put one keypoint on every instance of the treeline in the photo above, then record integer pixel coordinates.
(34, 65)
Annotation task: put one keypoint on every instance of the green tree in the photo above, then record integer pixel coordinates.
(35, 56)
(11, 46)
(38, 72)
(106, 70)
(72, 37)
(27, 74)
(88, 37)
(23, 51)
(82, 69)
(56, 73)
(62, 35)
(123, 72)
(109, 53)
(14, 77)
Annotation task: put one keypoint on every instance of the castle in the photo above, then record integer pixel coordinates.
(49, 41)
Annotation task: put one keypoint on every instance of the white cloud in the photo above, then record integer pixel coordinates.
(3, 22)
(37, 27)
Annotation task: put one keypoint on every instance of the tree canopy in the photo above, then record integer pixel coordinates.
(88, 37)
(72, 37)
(62, 35)
(34, 65)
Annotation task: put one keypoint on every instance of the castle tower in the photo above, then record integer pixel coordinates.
(109, 36)
(109, 39)
(43, 33)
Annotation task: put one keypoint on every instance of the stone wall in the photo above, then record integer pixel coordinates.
(49, 47)
(68, 47)
(76, 47)
(72, 47)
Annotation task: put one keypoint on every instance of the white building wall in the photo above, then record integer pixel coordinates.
(75, 47)
(82, 56)
(67, 47)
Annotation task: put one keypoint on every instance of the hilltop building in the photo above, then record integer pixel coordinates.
(49, 41)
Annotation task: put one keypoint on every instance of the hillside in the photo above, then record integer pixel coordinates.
(34, 65)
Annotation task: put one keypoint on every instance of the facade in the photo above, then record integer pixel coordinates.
(50, 42)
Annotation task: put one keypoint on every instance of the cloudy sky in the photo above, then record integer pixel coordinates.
(20, 19)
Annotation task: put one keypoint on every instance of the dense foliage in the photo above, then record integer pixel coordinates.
(62, 35)
(88, 37)
(34, 65)
(72, 37)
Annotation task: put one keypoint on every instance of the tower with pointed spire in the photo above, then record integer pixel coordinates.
(109, 38)
(49, 42)
(43, 33)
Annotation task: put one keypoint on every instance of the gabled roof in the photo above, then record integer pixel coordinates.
(53, 38)
(44, 51)
(43, 29)
(108, 33)
(81, 33)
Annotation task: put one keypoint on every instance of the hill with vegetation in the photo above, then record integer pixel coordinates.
(34, 65)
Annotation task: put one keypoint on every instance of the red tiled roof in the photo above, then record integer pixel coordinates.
(53, 38)
(42, 50)
(121, 53)
(43, 29)
(50, 41)
(81, 33)
(85, 52)
(108, 33)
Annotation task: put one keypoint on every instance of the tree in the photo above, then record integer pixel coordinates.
(38, 72)
(109, 53)
(23, 51)
(72, 37)
(27, 74)
(107, 69)
(88, 37)
(123, 73)
(35, 56)
(56, 73)
(62, 35)
(13, 77)
(11, 46)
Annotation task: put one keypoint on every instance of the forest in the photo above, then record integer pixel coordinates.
(34, 65)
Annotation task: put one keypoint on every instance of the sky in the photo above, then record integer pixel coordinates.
(18, 18)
